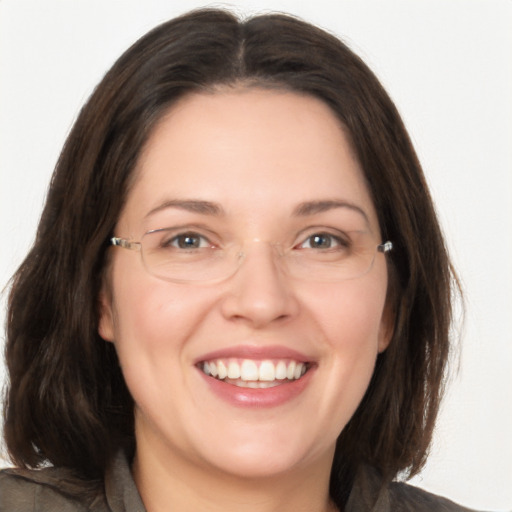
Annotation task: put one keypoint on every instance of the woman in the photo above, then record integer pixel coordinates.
(239, 295)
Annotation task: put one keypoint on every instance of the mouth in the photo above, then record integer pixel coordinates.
(255, 374)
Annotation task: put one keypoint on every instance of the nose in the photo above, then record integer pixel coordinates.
(259, 293)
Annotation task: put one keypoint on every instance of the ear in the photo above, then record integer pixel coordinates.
(106, 315)
(387, 326)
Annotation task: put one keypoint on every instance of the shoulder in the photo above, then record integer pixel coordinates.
(371, 493)
(48, 489)
(404, 497)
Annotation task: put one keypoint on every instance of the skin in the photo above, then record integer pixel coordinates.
(258, 154)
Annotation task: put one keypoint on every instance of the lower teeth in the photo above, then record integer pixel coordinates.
(255, 384)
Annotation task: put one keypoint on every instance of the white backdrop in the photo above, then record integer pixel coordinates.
(448, 66)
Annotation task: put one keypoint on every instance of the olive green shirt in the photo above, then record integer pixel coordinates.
(55, 490)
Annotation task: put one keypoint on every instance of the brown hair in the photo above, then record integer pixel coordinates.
(67, 402)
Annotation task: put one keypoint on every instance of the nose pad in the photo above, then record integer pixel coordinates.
(241, 256)
(259, 291)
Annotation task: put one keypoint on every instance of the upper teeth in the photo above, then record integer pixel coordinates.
(251, 370)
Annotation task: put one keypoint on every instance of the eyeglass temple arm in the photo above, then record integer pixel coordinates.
(385, 247)
(126, 244)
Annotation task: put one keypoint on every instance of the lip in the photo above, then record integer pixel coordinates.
(263, 397)
(254, 398)
(255, 352)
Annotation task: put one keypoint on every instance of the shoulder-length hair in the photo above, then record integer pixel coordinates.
(67, 402)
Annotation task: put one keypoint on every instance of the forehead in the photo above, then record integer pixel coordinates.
(251, 151)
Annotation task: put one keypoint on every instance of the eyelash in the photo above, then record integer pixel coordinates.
(174, 240)
(335, 241)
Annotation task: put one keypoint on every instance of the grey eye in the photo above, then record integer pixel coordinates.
(188, 241)
(321, 241)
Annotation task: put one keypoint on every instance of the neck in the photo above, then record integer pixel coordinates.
(168, 482)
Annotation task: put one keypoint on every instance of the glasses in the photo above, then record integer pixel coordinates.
(188, 256)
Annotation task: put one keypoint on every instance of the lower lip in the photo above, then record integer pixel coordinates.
(259, 397)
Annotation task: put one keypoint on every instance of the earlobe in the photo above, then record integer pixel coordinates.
(387, 328)
(385, 336)
(106, 316)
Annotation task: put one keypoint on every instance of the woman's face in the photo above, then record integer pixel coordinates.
(247, 166)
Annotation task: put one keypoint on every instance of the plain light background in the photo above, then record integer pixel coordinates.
(448, 66)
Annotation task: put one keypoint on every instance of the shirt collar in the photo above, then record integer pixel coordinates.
(368, 493)
(120, 490)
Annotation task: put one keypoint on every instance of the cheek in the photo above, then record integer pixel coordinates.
(347, 319)
(154, 323)
(349, 313)
(152, 318)
(353, 339)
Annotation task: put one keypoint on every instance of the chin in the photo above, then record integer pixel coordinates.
(271, 455)
(261, 466)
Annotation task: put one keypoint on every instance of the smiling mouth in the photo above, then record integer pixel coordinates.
(250, 373)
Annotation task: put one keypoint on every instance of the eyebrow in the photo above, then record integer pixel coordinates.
(190, 205)
(214, 209)
(314, 207)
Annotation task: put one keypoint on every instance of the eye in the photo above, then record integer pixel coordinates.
(189, 240)
(323, 241)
